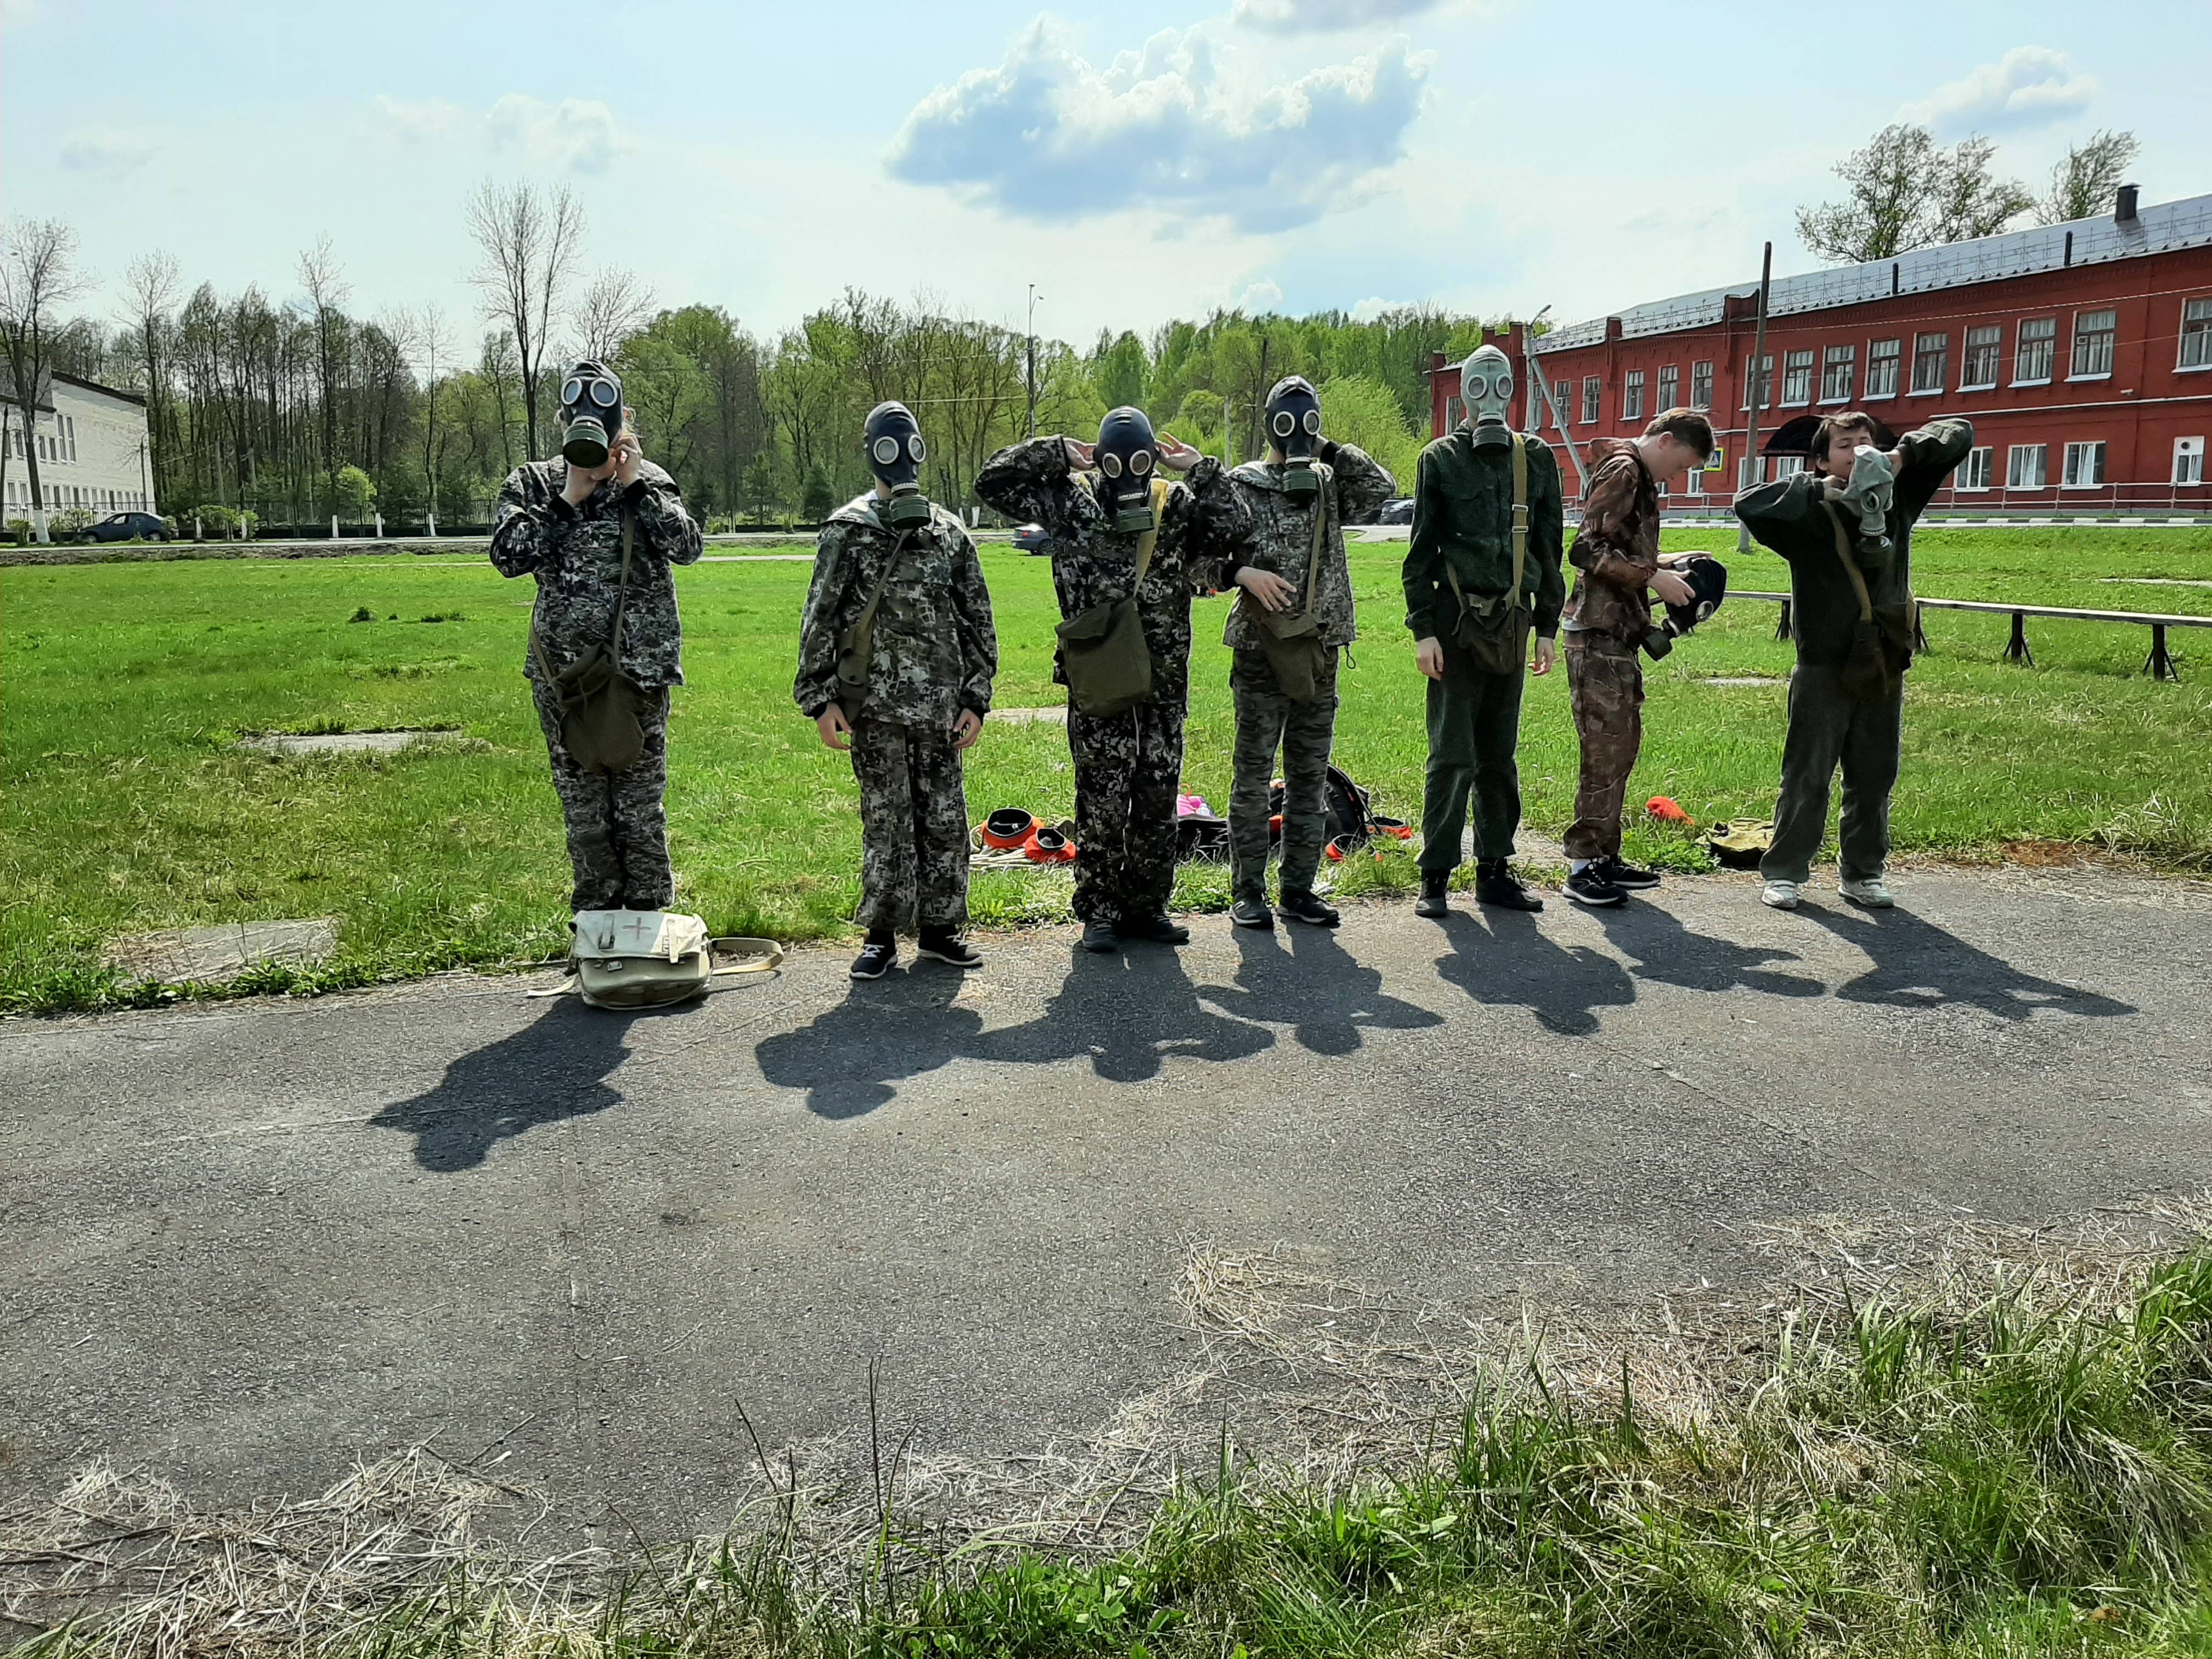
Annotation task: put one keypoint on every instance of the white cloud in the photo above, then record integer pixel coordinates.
(110, 150)
(1045, 135)
(577, 133)
(2029, 86)
(1265, 294)
(1322, 17)
(1370, 308)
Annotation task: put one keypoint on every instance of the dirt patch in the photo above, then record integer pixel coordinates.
(2050, 855)
(1056, 715)
(210, 955)
(336, 742)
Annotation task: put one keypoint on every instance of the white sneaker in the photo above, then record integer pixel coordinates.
(1869, 894)
(1780, 896)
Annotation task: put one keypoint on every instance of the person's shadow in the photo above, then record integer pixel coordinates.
(1125, 1013)
(1511, 963)
(1917, 964)
(556, 1067)
(850, 1058)
(1322, 990)
(1666, 952)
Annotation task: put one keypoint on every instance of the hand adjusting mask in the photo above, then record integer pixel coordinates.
(1294, 427)
(1125, 455)
(1485, 386)
(590, 415)
(1871, 490)
(895, 453)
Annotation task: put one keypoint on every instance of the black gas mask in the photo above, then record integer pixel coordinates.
(895, 453)
(590, 415)
(1708, 580)
(1125, 455)
(1294, 427)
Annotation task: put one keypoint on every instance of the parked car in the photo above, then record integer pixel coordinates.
(1032, 538)
(1400, 511)
(122, 527)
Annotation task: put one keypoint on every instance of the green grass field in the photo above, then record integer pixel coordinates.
(130, 804)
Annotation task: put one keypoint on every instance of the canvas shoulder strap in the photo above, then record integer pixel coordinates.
(1313, 558)
(1150, 538)
(867, 620)
(1850, 565)
(622, 583)
(1520, 512)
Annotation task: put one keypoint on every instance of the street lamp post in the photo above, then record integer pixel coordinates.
(1034, 297)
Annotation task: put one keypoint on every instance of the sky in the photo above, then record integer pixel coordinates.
(1134, 162)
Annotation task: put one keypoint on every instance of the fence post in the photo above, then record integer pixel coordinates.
(379, 526)
(1783, 631)
(2017, 651)
(2161, 666)
(431, 518)
(1919, 630)
(334, 524)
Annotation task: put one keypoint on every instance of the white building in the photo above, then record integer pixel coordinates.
(93, 449)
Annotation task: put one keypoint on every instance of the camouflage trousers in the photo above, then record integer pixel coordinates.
(617, 830)
(913, 828)
(1605, 688)
(1127, 769)
(1268, 720)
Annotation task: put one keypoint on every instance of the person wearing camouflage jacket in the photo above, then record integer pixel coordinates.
(563, 525)
(933, 654)
(1128, 767)
(1273, 576)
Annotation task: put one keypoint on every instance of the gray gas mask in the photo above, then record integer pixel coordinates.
(1124, 456)
(590, 415)
(895, 453)
(1294, 427)
(1870, 493)
(1485, 386)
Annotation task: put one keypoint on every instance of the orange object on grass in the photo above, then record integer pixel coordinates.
(1666, 809)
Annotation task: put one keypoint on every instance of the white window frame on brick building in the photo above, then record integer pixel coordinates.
(1669, 394)
(2188, 460)
(1701, 386)
(1797, 379)
(1759, 374)
(1885, 365)
(2096, 334)
(2195, 336)
(2035, 352)
(2027, 466)
(1631, 395)
(1593, 400)
(1976, 471)
(1839, 367)
(1931, 364)
(1979, 361)
(2085, 465)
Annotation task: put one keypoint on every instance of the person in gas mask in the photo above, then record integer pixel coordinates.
(1607, 622)
(1292, 617)
(896, 654)
(600, 527)
(1125, 545)
(1481, 574)
(1844, 525)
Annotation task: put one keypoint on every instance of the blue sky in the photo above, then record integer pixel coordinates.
(1137, 161)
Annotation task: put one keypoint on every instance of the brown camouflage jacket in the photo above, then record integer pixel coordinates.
(934, 651)
(1616, 552)
(1093, 564)
(575, 553)
(1354, 486)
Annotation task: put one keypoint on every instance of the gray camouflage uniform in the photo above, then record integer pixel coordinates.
(933, 654)
(1353, 487)
(617, 833)
(1128, 767)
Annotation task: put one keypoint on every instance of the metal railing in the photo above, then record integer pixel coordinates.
(2160, 666)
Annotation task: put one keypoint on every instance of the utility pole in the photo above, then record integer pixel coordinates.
(1034, 297)
(1759, 389)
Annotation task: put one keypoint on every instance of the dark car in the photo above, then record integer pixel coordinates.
(122, 527)
(1032, 538)
(1400, 511)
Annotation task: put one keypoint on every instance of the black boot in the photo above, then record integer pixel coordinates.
(1494, 884)
(1296, 906)
(1154, 927)
(1432, 902)
(877, 956)
(1099, 934)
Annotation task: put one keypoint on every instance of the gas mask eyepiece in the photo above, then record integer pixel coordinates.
(1293, 418)
(590, 415)
(1485, 387)
(895, 453)
(1124, 455)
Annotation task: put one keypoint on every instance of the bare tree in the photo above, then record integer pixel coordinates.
(327, 293)
(38, 275)
(1907, 192)
(2084, 184)
(434, 351)
(614, 307)
(154, 283)
(531, 242)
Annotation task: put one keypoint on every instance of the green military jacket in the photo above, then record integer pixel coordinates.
(1463, 522)
(1788, 516)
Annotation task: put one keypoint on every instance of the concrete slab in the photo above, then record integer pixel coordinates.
(241, 1243)
(222, 952)
(1056, 715)
(337, 743)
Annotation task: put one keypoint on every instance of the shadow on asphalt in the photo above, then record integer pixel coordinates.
(1663, 950)
(848, 1059)
(1917, 964)
(1510, 962)
(1324, 992)
(556, 1067)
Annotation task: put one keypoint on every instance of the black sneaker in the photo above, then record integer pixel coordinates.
(948, 947)
(1434, 902)
(1494, 884)
(1308, 908)
(1248, 912)
(1157, 928)
(1100, 935)
(1626, 877)
(875, 959)
(1588, 886)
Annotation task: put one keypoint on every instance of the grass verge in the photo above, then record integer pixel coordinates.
(2010, 1455)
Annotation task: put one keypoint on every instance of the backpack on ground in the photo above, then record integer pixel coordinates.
(630, 959)
(1739, 843)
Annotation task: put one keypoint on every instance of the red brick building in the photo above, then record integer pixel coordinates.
(2082, 352)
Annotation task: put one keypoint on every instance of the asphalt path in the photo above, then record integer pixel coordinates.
(240, 1244)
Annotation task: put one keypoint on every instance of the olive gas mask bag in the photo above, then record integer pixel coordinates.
(1494, 631)
(590, 415)
(597, 703)
(1292, 640)
(633, 959)
(1103, 650)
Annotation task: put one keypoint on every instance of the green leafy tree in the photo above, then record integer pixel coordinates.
(1121, 371)
(760, 485)
(1907, 191)
(356, 492)
(817, 502)
(2084, 183)
(1356, 409)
